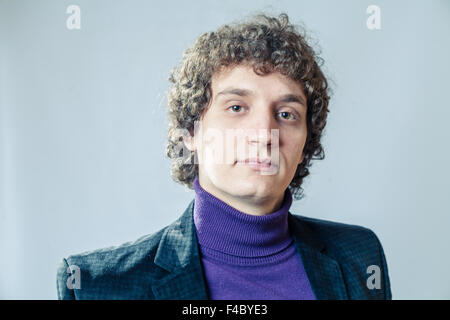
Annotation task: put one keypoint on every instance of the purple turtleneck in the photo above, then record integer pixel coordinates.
(245, 256)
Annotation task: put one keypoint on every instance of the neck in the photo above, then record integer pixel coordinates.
(228, 231)
(251, 205)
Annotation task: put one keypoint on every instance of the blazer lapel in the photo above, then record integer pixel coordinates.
(178, 254)
(324, 273)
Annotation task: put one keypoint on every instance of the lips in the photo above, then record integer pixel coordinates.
(255, 161)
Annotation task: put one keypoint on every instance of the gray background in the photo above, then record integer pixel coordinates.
(83, 129)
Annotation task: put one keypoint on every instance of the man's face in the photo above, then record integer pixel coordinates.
(255, 104)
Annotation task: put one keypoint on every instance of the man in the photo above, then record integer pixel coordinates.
(247, 109)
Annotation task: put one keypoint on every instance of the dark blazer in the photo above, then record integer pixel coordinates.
(167, 264)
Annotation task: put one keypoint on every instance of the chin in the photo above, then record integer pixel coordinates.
(250, 186)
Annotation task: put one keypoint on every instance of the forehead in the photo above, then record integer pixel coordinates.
(243, 77)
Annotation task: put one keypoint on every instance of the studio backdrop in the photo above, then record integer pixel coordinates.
(83, 128)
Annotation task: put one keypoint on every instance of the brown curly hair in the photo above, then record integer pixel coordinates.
(267, 44)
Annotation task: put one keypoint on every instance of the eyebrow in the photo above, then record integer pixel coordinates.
(245, 93)
(293, 98)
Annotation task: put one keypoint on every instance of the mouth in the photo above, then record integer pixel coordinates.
(255, 163)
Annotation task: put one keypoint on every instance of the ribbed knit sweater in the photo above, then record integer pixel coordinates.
(246, 256)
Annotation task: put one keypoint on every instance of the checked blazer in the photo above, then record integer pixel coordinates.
(167, 264)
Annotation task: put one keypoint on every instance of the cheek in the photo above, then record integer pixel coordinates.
(294, 140)
(213, 148)
(292, 149)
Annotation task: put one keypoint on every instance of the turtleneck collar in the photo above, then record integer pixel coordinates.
(225, 229)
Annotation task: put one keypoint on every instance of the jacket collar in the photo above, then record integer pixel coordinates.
(178, 254)
(324, 273)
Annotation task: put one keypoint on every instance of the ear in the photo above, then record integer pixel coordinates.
(302, 157)
(188, 140)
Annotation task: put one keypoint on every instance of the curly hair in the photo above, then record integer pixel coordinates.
(267, 44)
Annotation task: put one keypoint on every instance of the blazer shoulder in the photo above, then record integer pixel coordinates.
(357, 249)
(339, 236)
(111, 268)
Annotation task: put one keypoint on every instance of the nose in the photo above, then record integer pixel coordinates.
(260, 126)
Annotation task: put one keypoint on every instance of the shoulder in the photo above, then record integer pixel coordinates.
(356, 249)
(340, 238)
(117, 259)
(108, 273)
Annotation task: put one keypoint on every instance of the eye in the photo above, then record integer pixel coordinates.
(235, 108)
(289, 115)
